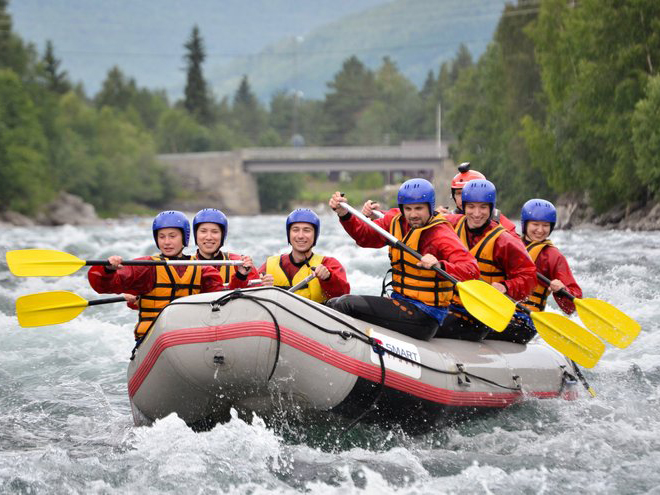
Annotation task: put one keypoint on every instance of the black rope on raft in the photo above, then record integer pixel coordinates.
(356, 333)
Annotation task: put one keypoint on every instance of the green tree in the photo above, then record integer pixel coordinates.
(117, 91)
(351, 91)
(178, 132)
(24, 180)
(395, 113)
(596, 59)
(56, 80)
(646, 137)
(277, 190)
(121, 92)
(197, 100)
(14, 54)
(248, 116)
(488, 103)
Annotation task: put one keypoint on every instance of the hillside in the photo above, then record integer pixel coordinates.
(417, 34)
(145, 38)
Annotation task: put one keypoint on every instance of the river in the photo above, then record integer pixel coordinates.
(66, 425)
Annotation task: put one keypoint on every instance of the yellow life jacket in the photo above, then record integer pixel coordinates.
(410, 280)
(539, 297)
(168, 287)
(483, 251)
(226, 271)
(313, 290)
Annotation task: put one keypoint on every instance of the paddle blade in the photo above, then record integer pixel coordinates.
(486, 303)
(48, 308)
(608, 322)
(42, 263)
(569, 338)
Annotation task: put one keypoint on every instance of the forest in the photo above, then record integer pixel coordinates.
(566, 99)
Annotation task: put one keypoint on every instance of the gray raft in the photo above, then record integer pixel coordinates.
(264, 348)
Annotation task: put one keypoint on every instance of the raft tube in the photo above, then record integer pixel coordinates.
(265, 349)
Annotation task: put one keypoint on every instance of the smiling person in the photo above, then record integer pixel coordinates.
(538, 218)
(503, 261)
(420, 296)
(157, 286)
(210, 228)
(464, 176)
(302, 232)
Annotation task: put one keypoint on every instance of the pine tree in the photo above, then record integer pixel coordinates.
(5, 31)
(248, 114)
(351, 91)
(197, 100)
(56, 80)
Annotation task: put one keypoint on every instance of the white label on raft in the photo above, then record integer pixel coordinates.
(401, 348)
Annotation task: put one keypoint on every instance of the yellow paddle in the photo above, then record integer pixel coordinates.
(481, 300)
(51, 263)
(602, 318)
(564, 335)
(51, 308)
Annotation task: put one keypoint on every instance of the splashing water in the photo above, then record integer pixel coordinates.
(66, 426)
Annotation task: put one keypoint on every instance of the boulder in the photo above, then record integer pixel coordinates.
(67, 209)
(17, 219)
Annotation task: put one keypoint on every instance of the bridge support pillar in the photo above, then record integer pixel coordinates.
(213, 180)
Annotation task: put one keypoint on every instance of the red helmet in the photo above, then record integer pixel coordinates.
(464, 176)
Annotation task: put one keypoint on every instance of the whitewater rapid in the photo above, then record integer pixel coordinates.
(66, 425)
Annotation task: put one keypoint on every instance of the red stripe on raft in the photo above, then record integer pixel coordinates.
(326, 354)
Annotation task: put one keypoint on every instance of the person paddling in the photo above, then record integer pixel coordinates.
(303, 227)
(210, 228)
(464, 176)
(420, 297)
(503, 261)
(538, 218)
(157, 286)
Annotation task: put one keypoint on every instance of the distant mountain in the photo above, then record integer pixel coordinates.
(145, 37)
(417, 34)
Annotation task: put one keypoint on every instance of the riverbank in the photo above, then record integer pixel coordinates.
(573, 211)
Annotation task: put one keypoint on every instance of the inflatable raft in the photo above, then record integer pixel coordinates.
(264, 348)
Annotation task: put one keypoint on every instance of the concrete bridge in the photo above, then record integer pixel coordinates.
(224, 179)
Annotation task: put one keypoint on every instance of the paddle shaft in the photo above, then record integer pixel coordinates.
(108, 300)
(582, 379)
(547, 281)
(166, 262)
(303, 283)
(395, 242)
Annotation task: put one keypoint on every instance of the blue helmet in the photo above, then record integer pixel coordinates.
(211, 215)
(303, 215)
(479, 191)
(538, 210)
(416, 191)
(171, 219)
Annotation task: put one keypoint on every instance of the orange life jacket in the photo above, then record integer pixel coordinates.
(539, 297)
(483, 251)
(410, 280)
(168, 287)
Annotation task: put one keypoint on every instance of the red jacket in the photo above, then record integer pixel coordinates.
(441, 242)
(336, 285)
(138, 280)
(510, 256)
(553, 265)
